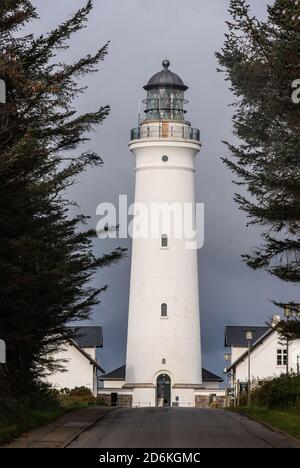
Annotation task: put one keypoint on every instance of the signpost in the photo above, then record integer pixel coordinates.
(243, 388)
(2, 91)
(2, 101)
(2, 352)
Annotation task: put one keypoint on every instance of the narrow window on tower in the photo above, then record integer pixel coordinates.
(164, 241)
(164, 310)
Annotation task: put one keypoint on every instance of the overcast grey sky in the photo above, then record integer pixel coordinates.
(142, 33)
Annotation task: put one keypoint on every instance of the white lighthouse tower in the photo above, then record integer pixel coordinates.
(163, 364)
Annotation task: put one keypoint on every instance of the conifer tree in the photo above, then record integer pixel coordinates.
(262, 62)
(46, 255)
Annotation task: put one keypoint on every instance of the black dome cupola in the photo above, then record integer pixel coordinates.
(165, 79)
(165, 95)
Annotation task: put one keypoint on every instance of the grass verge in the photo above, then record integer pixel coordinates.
(16, 418)
(40, 408)
(285, 420)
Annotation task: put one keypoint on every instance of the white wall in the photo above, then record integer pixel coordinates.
(91, 352)
(144, 397)
(186, 396)
(120, 391)
(214, 391)
(147, 396)
(112, 384)
(263, 362)
(211, 385)
(79, 371)
(237, 352)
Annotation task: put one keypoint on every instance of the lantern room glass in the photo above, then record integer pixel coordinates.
(165, 104)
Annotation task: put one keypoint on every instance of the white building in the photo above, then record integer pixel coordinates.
(115, 392)
(163, 363)
(79, 360)
(270, 355)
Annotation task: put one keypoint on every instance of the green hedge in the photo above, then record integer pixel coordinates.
(280, 392)
(80, 396)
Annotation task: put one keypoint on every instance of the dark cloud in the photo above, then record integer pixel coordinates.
(142, 33)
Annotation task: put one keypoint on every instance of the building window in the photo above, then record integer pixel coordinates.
(164, 310)
(281, 357)
(164, 241)
(165, 158)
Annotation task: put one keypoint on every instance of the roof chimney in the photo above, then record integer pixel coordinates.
(275, 320)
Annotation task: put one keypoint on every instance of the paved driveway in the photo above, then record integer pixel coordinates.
(179, 427)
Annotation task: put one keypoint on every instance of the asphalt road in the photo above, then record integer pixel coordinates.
(179, 427)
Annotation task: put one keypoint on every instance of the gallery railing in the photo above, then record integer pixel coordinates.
(168, 131)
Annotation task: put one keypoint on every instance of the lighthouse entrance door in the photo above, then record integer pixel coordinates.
(163, 390)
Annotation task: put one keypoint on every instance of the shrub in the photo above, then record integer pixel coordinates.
(42, 398)
(243, 399)
(77, 396)
(100, 401)
(280, 392)
(80, 391)
(297, 406)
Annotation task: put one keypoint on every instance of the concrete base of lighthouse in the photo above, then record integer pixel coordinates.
(116, 392)
(150, 396)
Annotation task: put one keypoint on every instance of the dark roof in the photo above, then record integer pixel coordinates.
(210, 377)
(236, 335)
(89, 337)
(165, 79)
(253, 347)
(116, 374)
(119, 374)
